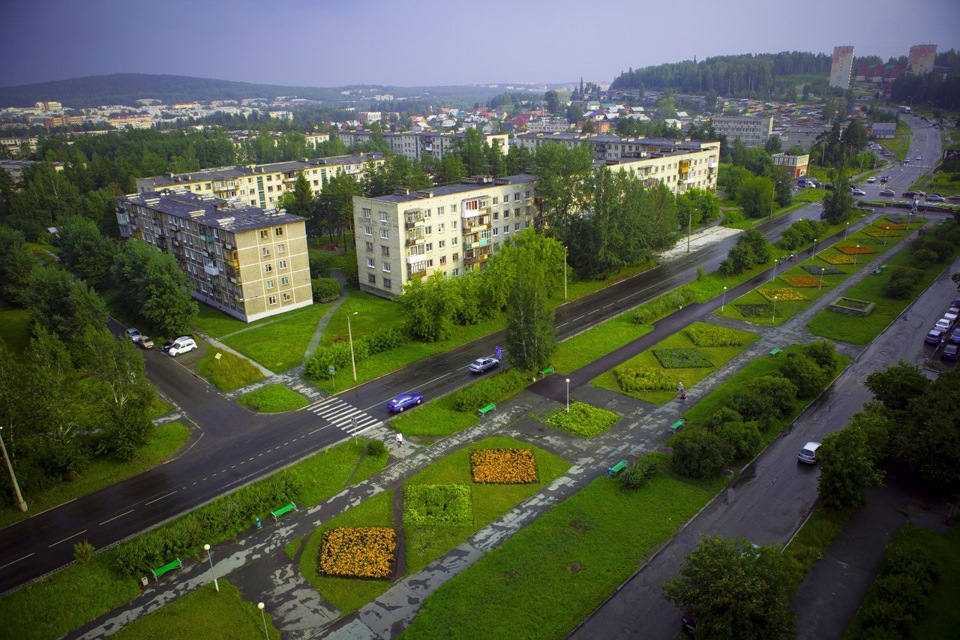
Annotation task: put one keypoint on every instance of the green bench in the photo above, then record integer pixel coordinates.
(282, 510)
(877, 271)
(676, 426)
(546, 372)
(774, 352)
(170, 566)
(487, 409)
(617, 468)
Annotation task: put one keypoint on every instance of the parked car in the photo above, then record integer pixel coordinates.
(404, 401)
(935, 198)
(955, 336)
(943, 323)
(857, 192)
(952, 313)
(183, 344)
(134, 334)
(950, 352)
(809, 453)
(827, 185)
(871, 179)
(908, 194)
(935, 336)
(480, 365)
(884, 179)
(888, 192)
(145, 342)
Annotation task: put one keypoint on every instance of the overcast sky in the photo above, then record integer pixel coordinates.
(329, 43)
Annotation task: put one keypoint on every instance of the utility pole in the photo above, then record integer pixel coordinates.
(21, 503)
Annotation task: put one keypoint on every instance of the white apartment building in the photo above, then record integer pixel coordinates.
(448, 229)
(679, 169)
(415, 145)
(753, 131)
(244, 261)
(262, 185)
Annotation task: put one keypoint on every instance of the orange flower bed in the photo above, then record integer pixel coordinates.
(882, 233)
(851, 250)
(503, 466)
(358, 552)
(782, 295)
(802, 281)
(838, 259)
(890, 226)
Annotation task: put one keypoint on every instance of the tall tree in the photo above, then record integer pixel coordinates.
(564, 182)
(62, 304)
(846, 468)
(529, 328)
(169, 305)
(16, 263)
(84, 250)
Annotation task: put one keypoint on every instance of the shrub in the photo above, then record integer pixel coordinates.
(376, 448)
(385, 339)
(336, 355)
(583, 420)
(824, 353)
(663, 306)
(640, 473)
(902, 282)
(766, 397)
(708, 335)
(643, 379)
(743, 438)
(699, 453)
(490, 389)
(804, 372)
(733, 216)
(83, 551)
(923, 258)
(320, 265)
(721, 417)
(325, 289)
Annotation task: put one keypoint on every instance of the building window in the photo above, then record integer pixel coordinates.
(384, 234)
(496, 215)
(272, 299)
(496, 231)
(369, 246)
(385, 251)
(506, 228)
(441, 244)
(453, 240)
(271, 284)
(283, 264)
(366, 214)
(429, 246)
(284, 280)
(441, 227)
(386, 267)
(440, 211)
(371, 278)
(281, 248)
(516, 196)
(456, 257)
(496, 200)
(443, 260)
(453, 208)
(371, 263)
(506, 213)
(264, 234)
(516, 212)
(516, 226)
(456, 271)
(383, 216)
(286, 297)
(387, 283)
(267, 268)
(368, 230)
(266, 251)
(526, 194)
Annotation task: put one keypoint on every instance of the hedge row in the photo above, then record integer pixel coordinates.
(663, 306)
(707, 335)
(643, 379)
(490, 389)
(338, 355)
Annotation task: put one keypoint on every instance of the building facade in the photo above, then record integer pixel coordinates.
(244, 261)
(415, 145)
(450, 229)
(842, 67)
(753, 131)
(262, 185)
(796, 165)
(922, 57)
(693, 165)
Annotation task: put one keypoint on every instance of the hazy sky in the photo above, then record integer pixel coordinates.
(330, 43)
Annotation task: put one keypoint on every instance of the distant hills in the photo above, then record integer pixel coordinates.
(127, 88)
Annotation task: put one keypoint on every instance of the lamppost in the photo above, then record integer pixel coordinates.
(775, 263)
(263, 617)
(723, 300)
(568, 395)
(856, 255)
(216, 584)
(689, 226)
(821, 279)
(845, 229)
(774, 318)
(21, 503)
(565, 250)
(353, 361)
(814, 247)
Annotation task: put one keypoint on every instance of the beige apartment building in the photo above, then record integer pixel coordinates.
(753, 131)
(796, 165)
(243, 260)
(262, 185)
(449, 229)
(681, 168)
(414, 145)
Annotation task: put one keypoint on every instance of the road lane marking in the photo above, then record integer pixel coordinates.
(167, 495)
(79, 533)
(17, 560)
(115, 517)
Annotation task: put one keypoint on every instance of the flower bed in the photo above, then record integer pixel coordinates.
(828, 270)
(835, 259)
(781, 295)
(643, 379)
(754, 310)
(890, 226)
(681, 358)
(881, 233)
(437, 505)
(708, 335)
(853, 250)
(901, 219)
(503, 466)
(583, 420)
(358, 552)
(802, 281)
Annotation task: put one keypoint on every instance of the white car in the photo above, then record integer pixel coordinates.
(871, 179)
(809, 453)
(134, 334)
(943, 324)
(858, 192)
(481, 365)
(183, 344)
(951, 314)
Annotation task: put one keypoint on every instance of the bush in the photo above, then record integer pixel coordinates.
(698, 453)
(384, 340)
(764, 398)
(640, 473)
(490, 389)
(376, 448)
(721, 417)
(663, 306)
(733, 216)
(804, 372)
(320, 265)
(902, 282)
(824, 353)
(742, 437)
(336, 355)
(923, 258)
(643, 379)
(325, 289)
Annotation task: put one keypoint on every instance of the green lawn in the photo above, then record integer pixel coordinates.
(821, 528)
(280, 345)
(228, 373)
(164, 441)
(274, 398)
(14, 327)
(586, 347)
(436, 419)
(204, 613)
(718, 356)
(564, 565)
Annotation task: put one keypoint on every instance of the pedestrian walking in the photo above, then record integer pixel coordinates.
(683, 394)
(680, 387)
(399, 439)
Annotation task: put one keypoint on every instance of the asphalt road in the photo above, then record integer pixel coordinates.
(233, 447)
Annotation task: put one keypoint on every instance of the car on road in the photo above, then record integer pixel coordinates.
(827, 185)
(145, 342)
(935, 198)
(918, 158)
(950, 352)
(183, 344)
(888, 192)
(857, 192)
(884, 179)
(935, 336)
(134, 334)
(908, 194)
(871, 179)
(404, 401)
(481, 365)
(943, 323)
(809, 453)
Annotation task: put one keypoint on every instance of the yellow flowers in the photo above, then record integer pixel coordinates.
(835, 259)
(781, 294)
(358, 552)
(802, 281)
(503, 466)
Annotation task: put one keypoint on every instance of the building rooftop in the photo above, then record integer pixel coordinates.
(211, 211)
(469, 184)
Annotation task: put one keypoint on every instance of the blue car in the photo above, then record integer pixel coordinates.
(404, 401)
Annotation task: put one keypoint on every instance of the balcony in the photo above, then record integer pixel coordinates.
(415, 273)
(483, 242)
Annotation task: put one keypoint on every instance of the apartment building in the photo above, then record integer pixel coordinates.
(922, 57)
(414, 145)
(243, 260)
(753, 131)
(688, 166)
(449, 229)
(262, 185)
(842, 67)
(796, 165)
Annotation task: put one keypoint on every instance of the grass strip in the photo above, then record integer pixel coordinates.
(229, 373)
(274, 398)
(280, 345)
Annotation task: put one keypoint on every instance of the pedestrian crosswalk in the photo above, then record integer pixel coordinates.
(343, 415)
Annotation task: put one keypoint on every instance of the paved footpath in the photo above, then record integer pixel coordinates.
(256, 562)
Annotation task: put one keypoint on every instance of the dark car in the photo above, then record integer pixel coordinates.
(955, 336)
(950, 352)
(908, 194)
(883, 179)
(828, 186)
(934, 336)
(481, 365)
(404, 401)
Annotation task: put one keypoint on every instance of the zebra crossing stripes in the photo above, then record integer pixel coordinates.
(343, 416)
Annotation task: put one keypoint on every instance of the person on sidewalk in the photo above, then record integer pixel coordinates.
(399, 439)
(683, 394)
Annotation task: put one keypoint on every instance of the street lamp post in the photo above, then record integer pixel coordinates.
(263, 617)
(856, 256)
(21, 503)
(774, 318)
(845, 229)
(775, 263)
(353, 361)
(689, 226)
(565, 250)
(821, 279)
(814, 247)
(568, 395)
(723, 300)
(213, 573)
